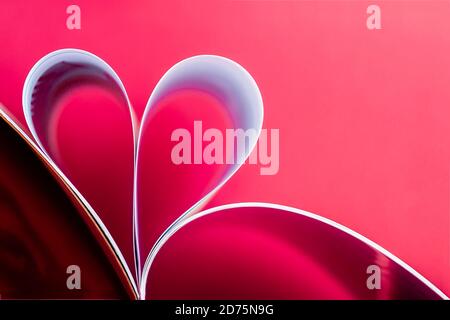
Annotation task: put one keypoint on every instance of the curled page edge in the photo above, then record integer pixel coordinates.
(74, 56)
(225, 79)
(83, 57)
(103, 231)
(317, 217)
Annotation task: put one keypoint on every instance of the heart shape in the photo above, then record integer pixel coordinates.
(259, 232)
(219, 77)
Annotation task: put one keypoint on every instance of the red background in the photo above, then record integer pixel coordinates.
(363, 115)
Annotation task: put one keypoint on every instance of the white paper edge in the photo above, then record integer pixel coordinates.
(327, 221)
(46, 62)
(252, 85)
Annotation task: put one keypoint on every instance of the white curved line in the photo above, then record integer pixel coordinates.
(191, 211)
(327, 221)
(33, 76)
(29, 84)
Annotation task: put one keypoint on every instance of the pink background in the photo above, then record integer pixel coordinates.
(363, 115)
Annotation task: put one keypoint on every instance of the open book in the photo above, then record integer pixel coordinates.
(136, 237)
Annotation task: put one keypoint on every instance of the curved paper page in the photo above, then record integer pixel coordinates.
(266, 251)
(46, 234)
(78, 112)
(202, 91)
